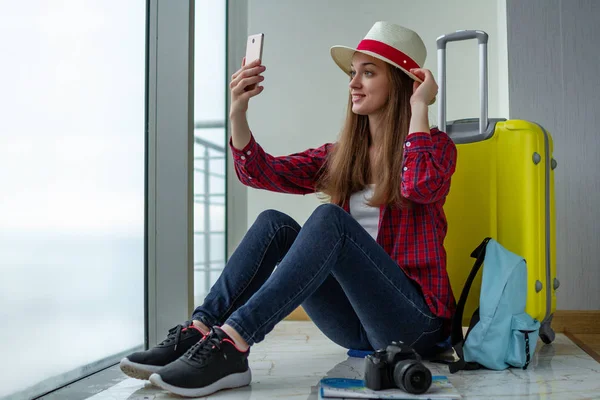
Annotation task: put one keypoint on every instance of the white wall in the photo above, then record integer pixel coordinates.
(304, 101)
(550, 42)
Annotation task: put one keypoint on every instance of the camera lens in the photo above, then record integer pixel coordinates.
(252, 40)
(417, 380)
(412, 377)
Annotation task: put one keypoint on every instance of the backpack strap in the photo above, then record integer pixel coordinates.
(527, 349)
(457, 334)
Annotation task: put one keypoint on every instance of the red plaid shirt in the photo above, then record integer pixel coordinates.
(413, 238)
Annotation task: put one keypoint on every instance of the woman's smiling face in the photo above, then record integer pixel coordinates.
(369, 84)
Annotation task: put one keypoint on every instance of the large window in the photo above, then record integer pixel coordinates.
(210, 148)
(72, 175)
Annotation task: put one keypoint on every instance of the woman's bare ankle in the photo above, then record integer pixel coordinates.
(239, 340)
(203, 328)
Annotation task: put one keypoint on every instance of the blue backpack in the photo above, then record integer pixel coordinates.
(501, 334)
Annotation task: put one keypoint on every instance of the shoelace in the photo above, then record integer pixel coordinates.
(175, 334)
(204, 348)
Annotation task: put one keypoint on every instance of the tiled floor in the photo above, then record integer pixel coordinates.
(295, 356)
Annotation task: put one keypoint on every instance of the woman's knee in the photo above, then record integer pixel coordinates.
(274, 216)
(328, 210)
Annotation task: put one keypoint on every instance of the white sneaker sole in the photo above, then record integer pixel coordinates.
(228, 382)
(138, 371)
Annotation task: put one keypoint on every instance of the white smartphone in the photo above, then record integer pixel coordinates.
(254, 50)
(254, 47)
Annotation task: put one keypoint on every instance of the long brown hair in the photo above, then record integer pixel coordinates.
(348, 170)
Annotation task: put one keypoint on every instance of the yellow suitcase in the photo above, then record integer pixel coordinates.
(503, 188)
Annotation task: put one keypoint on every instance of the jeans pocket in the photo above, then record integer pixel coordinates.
(524, 333)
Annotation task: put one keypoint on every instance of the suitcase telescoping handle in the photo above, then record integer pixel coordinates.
(482, 39)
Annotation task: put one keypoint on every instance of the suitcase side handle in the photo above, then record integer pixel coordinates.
(482, 40)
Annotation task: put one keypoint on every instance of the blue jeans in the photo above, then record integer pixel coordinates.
(347, 284)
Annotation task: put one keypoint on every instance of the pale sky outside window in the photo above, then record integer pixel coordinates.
(210, 86)
(72, 178)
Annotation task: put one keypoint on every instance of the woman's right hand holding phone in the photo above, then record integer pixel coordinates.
(244, 85)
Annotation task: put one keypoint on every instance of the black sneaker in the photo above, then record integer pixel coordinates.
(180, 339)
(212, 364)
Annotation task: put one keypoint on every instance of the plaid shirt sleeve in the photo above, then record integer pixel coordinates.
(429, 162)
(296, 173)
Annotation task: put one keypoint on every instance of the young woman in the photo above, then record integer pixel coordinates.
(369, 266)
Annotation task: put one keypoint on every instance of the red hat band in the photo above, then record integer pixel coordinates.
(388, 52)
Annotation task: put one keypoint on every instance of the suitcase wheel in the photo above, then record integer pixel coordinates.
(546, 332)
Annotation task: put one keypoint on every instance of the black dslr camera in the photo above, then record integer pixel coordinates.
(399, 366)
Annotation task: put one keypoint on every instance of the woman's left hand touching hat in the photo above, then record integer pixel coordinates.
(424, 92)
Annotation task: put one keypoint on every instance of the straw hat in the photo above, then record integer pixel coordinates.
(394, 44)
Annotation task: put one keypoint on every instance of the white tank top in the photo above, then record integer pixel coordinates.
(367, 216)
